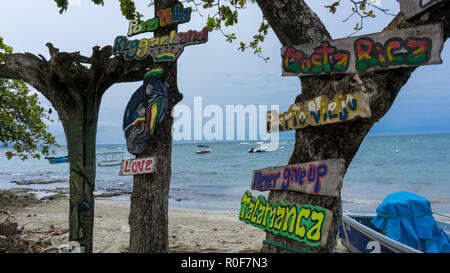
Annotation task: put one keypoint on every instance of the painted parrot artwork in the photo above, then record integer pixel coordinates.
(145, 111)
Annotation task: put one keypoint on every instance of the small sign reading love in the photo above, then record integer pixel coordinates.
(138, 166)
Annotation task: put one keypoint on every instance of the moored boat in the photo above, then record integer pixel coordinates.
(205, 149)
(110, 159)
(408, 233)
(57, 159)
(260, 149)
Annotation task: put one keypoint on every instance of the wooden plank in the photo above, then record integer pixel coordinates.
(319, 178)
(406, 47)
(287, 219)
(162, 49)
(320, 111)
(410, 8)
(163, 18)
(138, 166)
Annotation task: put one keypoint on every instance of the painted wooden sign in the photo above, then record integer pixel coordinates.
(406, 47)
(409, 8)
(137, 166)
(320, 178)
(307, 224)
(164, 17)
(320, 111)
(145, 112)
(161, 49)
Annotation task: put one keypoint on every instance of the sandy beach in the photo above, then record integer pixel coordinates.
(191, 231)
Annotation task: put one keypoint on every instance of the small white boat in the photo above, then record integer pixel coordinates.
(109, 159)
(260, 149)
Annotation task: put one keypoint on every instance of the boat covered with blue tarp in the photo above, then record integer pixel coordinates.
(404, 223)
(407, 218)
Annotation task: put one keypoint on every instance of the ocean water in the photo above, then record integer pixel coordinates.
(217, 181)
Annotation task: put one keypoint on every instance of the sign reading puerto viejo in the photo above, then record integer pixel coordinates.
(318, 178)
(307, 224)
(409, 8)
(405, 47)
(138, 166)
(320, 111)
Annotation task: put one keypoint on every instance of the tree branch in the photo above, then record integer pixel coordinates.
(295, 24)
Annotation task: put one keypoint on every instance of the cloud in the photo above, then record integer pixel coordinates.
(74, 2)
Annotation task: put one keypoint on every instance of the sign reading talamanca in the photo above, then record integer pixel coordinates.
(307, 224)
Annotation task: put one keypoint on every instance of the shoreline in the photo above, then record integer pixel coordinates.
(42, 224)
(45, 224)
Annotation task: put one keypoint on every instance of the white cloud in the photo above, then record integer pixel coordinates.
(74, 2)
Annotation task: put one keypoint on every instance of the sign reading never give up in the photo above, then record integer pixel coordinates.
(318, 178)
(406, 47)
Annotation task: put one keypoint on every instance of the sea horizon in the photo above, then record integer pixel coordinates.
(384, 164)
(283, 136)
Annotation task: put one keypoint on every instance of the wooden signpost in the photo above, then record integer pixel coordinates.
(307, 224)
(320, 111)
(162, 49)
(406, 47)
(137, 166)
(410, 8)
(166, 48)
(318, 178)
(164, 17)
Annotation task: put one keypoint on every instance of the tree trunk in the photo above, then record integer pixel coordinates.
(150, 198)
(81, 132)
(294, 23)
(149, 220)
(75, 92)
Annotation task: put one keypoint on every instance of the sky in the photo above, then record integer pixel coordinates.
(216, 71)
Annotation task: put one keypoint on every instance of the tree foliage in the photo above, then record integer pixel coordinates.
(225, 13)
(22, 118)
(63, 4)
(362, 9)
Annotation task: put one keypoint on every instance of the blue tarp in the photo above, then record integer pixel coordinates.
(407, 218)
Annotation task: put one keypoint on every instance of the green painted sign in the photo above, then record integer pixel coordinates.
(307, 224)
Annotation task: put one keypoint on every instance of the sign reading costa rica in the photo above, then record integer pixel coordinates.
(409, 8)
(405, 47)
(320, 111)
(319, 178)
(307, 224)
(137, 166)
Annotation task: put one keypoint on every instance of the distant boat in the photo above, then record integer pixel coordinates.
(260, 149)
(57, 159)
(109, 159)
(206, 149)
